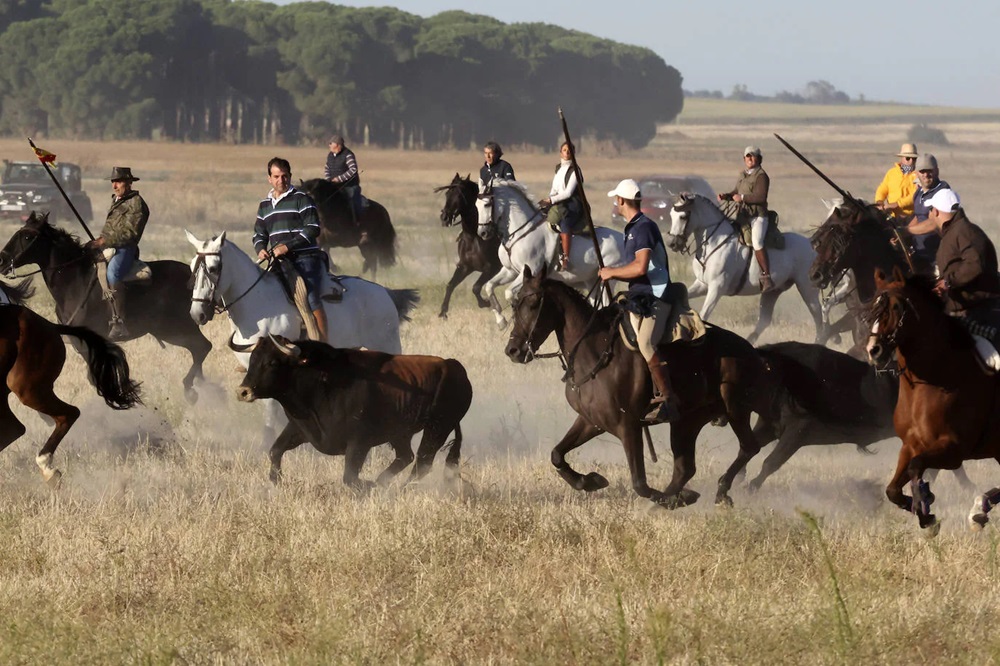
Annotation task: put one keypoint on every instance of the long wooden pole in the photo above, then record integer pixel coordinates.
(61, 190)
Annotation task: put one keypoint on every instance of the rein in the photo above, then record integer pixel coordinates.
(708, 236)
(199, 264)
(35, 236)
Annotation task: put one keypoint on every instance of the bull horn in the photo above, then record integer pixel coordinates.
(288, 349)
(242, 349)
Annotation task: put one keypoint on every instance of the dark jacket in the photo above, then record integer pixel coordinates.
(753, 188)
(342, 168)
(967, 261)
(499, 170)
(126, 220)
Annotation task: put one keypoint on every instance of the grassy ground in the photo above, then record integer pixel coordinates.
(165, 543)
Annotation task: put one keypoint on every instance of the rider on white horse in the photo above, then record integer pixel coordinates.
(751, 195)
(565, 208)
(647, 271)
(288, 224)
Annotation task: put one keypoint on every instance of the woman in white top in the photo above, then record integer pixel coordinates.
(564, 204)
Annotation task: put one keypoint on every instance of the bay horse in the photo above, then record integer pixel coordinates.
(154, 308)
(718, 376)
(474, 253)
(374, 234)
(32, 355)
(723, 265)
(948, 409)
(853, 241)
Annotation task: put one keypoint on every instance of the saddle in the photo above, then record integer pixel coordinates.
(683, 325)
(140, 272)
(773, 239)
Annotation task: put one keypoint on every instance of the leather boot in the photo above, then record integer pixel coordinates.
(565, 240)
(664, 403)
(116, 303)
(320, 317)
(766, 284)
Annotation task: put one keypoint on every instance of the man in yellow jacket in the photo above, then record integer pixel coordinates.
(895, 194)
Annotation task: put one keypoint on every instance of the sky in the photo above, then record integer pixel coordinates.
(914, 51)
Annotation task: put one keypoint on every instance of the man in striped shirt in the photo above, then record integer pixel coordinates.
(342, 167)
(287, 228)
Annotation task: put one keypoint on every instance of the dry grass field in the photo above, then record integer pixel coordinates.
(165, 543)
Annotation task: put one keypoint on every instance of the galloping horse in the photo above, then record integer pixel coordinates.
(374, 234)
(507, 211)
(32, 355)
(855, 240)
(719, 375)
(723, 266)
(224, 277)
(948, 409)
(474, 253)
(154, 308)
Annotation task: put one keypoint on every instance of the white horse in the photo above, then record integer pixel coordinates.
(226, 278)
(723, 266)
(507, 210)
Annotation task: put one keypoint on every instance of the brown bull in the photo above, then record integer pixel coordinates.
(348, 401)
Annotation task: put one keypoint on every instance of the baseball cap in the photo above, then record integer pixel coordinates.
(945, 200)
(751, 150)
(926, 162)
(627, 189)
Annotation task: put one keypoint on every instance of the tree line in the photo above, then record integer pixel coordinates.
(245, 71)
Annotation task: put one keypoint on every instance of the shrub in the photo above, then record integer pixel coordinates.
(924, 133)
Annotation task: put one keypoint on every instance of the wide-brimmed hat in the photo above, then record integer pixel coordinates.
(122, 173)
(926, 162)
(627, 189)
(907, 150)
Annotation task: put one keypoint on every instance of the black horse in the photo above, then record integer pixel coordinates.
(824, 397)
(159, 307)
(474, 253)
(373, 235)
(720, 376)
(856, 237)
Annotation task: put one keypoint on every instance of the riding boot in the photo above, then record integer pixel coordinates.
(116, 303)
(765, 270)
(320, 317)
(664, 403)
(565, 240)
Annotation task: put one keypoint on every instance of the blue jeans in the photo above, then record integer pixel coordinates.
(121, 263)
(311, 267)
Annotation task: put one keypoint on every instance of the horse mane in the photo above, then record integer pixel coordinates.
(604, 314)
(60, 237)
(18, 293)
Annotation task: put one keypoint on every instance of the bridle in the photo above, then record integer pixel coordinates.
(200, 264)
(512, 237)
(881, 305)
(532, 351)
(684, 209)
(35, 235)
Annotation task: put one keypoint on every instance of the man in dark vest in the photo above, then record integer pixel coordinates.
(750, 194)
(494, 168)
(342, 167)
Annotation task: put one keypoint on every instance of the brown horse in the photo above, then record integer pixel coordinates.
(948, 409)
(373, 235)
(719, 376)
(32, 355)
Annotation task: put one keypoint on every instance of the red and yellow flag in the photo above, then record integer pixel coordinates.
(44, 156)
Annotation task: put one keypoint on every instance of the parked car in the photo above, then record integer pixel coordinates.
(24, 187)
(658, 193)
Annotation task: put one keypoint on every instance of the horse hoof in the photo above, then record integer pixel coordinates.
(443, 315)
(931, 526)
(54, 480)
(593, 482)
(688, 496)
(190, 395)
(977, 515)
(724, 501)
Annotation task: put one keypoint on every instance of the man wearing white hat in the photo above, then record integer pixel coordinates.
(750, 194)
(895, 193)
(966, 258)
(647, 271)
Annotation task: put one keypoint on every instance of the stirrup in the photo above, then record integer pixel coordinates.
(117, 330)
(563, 263)
(662, 411)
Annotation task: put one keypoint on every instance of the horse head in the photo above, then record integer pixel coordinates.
(680, 218)
(485, 211)
(846, 240)
(24, 246)
(206, 270)
(533, 323)
(459, 199)
(891, 317)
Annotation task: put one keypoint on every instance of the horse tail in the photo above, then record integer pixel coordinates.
(20, 292)
(381, 235)
(405, 301)
(109, 372)
(455, 447)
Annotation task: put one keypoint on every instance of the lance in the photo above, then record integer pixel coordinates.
(583, 198)
(842, 192)
(593, 236)
(55, 180)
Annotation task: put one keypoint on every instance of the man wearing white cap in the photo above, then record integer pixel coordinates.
(751, 194)
(895, 193)
(966, 258)
(647, 271)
